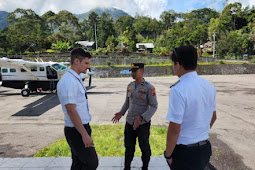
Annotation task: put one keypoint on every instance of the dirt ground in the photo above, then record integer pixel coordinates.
(31, 123)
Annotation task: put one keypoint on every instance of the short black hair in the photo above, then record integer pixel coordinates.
(80, 54)
(186, 56)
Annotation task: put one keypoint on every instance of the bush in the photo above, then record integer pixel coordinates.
(108, 63)
(161, 51)
(221, 62)
(10, 52)
(205, 54)
(253, 60)
(100, 51)
(61, 46)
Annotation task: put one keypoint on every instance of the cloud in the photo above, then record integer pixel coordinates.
(152, 8)
(244, 2)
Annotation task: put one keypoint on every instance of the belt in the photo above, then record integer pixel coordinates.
(85, 125)
(201, 143)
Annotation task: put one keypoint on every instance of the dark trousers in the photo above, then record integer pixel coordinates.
(191, 158)
(83, 158)
(143, 134)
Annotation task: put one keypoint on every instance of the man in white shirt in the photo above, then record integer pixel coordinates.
(73, 98)
(191, 114)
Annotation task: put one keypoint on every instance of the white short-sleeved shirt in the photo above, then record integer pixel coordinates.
(192, 102)
(72, 91)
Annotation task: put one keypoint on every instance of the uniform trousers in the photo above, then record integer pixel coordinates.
(191, 158)
(82, 158)
(143, 133)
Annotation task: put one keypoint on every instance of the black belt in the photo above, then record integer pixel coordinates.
(85, 125)
(201, 143)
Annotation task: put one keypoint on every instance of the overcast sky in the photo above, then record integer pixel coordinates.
(152, 8)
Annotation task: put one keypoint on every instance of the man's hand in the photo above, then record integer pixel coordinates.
(116, 117)
(87, 140)
(137, 122)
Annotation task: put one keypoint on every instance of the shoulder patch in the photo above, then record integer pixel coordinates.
(153, 93)
(174, 84)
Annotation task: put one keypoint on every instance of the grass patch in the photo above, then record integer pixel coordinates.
(109, 141)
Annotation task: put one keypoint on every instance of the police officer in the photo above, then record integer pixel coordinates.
(191, 114)
(141, 103)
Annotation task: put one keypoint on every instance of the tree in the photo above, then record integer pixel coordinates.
(202, 15)
(69, 26)
(123, 23)
(154, 28)
(26, 30)
(141, 25)
(3, 39)
(93, 21)
(168, 18)
(105, 28)
(234, 43)
(50, 20)
(233, 17)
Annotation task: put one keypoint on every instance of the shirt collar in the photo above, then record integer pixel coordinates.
(74, 73)
(188, 75)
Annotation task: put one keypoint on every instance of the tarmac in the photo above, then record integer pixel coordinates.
(30, 124)
(64, 163)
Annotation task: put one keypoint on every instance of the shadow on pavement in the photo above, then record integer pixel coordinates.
(40, 106)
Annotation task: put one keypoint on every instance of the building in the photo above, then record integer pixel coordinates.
(145, 46)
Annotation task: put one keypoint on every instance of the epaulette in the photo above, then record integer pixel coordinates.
(131, 83)
(174, 84)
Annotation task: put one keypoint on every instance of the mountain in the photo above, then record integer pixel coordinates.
(115, 13)
(3, 18)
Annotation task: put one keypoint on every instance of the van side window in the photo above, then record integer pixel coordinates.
(12, 70)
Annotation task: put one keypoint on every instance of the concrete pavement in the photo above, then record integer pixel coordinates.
(64, 163)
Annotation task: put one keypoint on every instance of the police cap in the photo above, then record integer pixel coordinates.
(136, 66)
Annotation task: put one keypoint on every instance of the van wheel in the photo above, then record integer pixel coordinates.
(25, 92)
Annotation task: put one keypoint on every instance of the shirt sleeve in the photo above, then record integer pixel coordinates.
(125, 105)
(152, 99)
(69, 93)
(176, 107)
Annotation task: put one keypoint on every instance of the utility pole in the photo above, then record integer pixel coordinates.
(214, 42)
(95, 34)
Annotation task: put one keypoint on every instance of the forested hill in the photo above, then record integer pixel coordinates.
(3, 18)
(115, 13)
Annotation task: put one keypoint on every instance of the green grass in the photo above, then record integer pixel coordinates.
(109, 141)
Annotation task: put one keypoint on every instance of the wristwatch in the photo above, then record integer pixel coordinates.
(167, 157)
